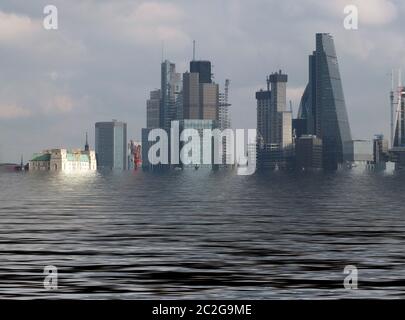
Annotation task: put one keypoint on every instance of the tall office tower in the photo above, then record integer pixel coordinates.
(209, 98)
(274, 123)
(153, 110)
(203, 68)
(170, 88)
(280, 120)
(224, 120)
(111, 145)
(179, 106)
(399, 134)
(263, 98)
(200, 100)
(397, 152)
(191, 96)
(323, 103)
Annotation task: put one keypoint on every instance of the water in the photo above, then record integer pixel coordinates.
(201, 234)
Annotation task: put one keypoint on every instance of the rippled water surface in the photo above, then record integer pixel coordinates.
(202, 234)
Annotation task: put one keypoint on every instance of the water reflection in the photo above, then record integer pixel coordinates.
(201, 234)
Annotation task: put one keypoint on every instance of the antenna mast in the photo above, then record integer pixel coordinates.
(193, 50)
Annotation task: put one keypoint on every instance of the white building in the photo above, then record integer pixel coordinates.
(64, 160)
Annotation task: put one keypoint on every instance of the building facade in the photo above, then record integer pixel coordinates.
(209, 100)
(399, 134)
(308, 151)
(323, 103)
(274, 123)
(203, 68)
(380, 149)
(153, 110)
(111, 145)
(171, 86)
(64, 160)
(191, 96)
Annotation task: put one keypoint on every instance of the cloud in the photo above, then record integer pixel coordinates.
(13, 112)
(371, 12)
(59, 104)
(376, 12)
(15, 28)
(152, 23)
(154, 12)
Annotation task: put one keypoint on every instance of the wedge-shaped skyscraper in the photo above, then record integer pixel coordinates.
(323, 103)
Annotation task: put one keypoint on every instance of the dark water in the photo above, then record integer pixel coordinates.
(202, 234)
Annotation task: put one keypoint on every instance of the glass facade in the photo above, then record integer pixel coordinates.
(399, 138)
(111, 145)
(323, 103)
(203, 68)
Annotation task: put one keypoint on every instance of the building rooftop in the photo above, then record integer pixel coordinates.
(42, 157)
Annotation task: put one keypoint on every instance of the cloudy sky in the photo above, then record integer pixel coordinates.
(105, 58)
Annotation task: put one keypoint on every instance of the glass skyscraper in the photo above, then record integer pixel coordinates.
(323, 103)
(171, 86)
(203, 68)
(111, 145)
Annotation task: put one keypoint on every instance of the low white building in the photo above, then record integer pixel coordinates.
(64, 160)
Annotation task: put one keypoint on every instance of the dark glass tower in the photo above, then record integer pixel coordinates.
(323, 103)
(203, 68)
(399, 138)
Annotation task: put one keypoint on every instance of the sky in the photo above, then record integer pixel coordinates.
(104, 59)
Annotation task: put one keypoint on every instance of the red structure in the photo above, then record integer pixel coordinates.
(135, 155)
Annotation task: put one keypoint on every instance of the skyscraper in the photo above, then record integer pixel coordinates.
(111, 145)
(170, 88)
(224, 120)
(200, 94)
(153, 110)
(209, 100)
(280, 118)
(263, 98)
(399, 134)
(274, 123)
(323, 103)
(191, 96)
(203, 68)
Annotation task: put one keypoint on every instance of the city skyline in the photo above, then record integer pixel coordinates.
(66, 93)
